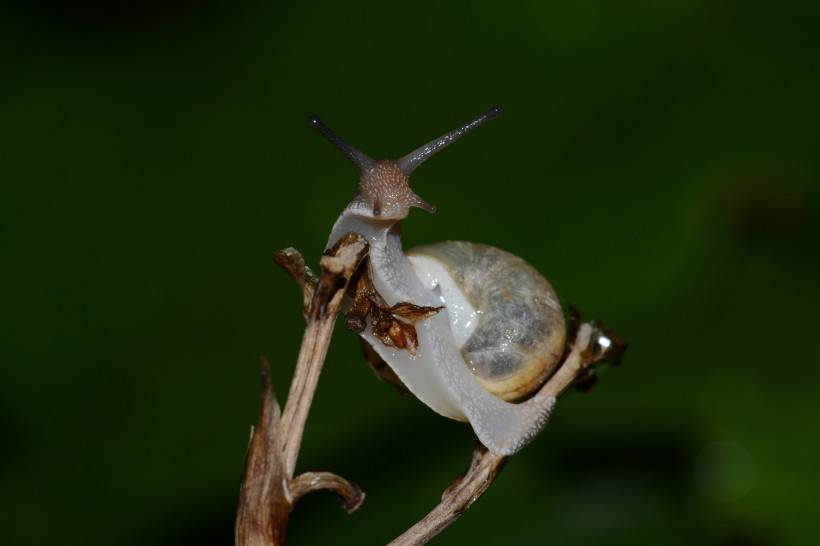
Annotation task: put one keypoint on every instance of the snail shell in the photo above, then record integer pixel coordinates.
(504, 315)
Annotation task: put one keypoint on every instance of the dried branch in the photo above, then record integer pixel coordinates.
(593, 342)
(349, 494)
(293, 263)
(338, 266)
(263, 497)
(269, 490)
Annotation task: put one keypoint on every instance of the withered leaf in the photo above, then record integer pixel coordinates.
(412, 312)
(393, 326)
(392, 331)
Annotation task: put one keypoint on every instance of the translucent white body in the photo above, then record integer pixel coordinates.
(463, 315)
(437, 373)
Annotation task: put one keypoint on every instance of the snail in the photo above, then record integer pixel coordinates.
(469, 329)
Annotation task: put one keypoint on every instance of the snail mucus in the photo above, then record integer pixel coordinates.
(469, 329)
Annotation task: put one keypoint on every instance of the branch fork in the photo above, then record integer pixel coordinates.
(269, 489)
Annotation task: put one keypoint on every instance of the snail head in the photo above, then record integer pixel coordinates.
(384, 190)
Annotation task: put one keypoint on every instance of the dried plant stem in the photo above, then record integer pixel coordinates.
(457, 498)
(303, 385)
(349, 493)
(269, 489)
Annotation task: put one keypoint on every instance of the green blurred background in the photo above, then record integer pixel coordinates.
(657, 161)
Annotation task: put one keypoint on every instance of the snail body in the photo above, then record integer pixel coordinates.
(496, 330)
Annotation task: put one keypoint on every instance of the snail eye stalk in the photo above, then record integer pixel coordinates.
(411, 161)
(361, 160)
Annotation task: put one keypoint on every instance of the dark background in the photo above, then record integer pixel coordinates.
(657, 161)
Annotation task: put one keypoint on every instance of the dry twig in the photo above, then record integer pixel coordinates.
(269, 489)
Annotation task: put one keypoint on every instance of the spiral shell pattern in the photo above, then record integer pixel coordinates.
(520, 335)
